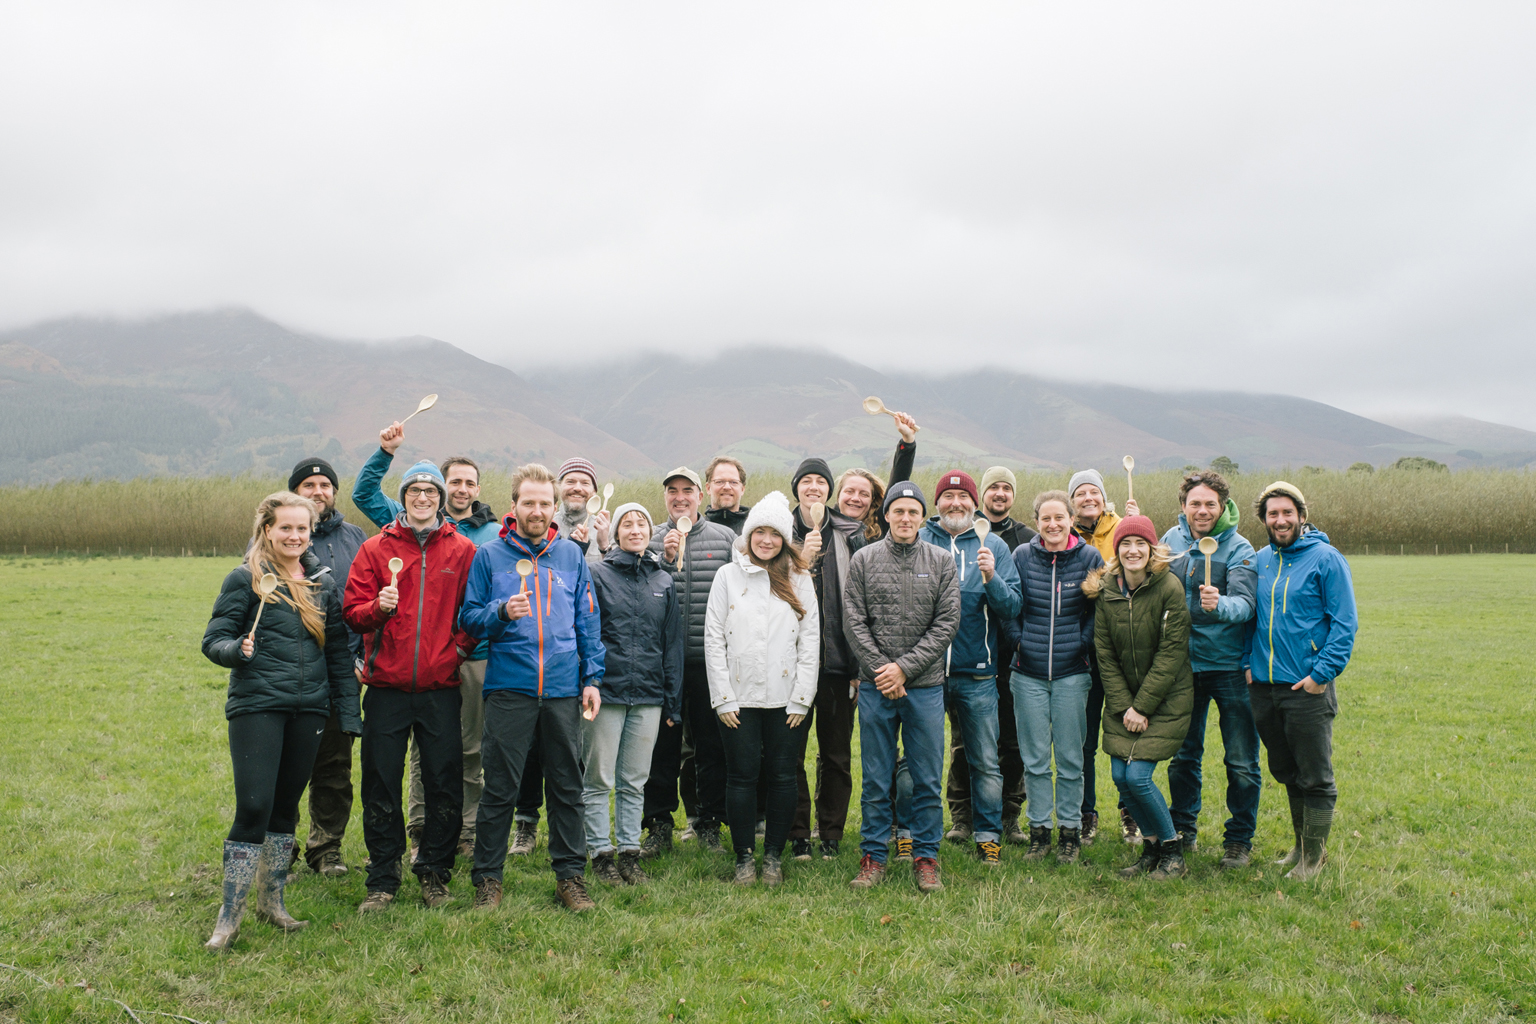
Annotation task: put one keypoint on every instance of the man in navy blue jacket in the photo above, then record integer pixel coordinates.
(1304, 633)
(530, 595)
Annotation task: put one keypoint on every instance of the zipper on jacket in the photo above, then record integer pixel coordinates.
(1273, 584)
(421, 608)
(538, 618)
(1050, 644)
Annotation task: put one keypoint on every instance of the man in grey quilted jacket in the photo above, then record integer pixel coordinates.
(901, 610)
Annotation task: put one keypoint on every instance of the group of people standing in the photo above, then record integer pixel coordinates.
(565, 659)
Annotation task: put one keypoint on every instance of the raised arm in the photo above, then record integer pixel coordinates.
(372, 502)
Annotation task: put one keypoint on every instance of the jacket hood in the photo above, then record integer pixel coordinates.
(328, 522)
(630, 561)
(1311, 536)
(935, 523)
(741, 558)
(1225, 524)
(511, 536)
(479, 514)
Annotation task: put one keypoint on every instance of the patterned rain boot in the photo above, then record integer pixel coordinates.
(239, 872)
(271, 878)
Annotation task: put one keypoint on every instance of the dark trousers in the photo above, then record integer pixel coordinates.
(958, 790)
(272, 753)
(762, 744)
(390, 719)
(530, 792)
(512, 721)
(833, 717)
(1240, 752)
(661, 789)
(1297, 730)
(330, 793)
(1091, 743)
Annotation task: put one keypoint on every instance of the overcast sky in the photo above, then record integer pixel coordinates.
(1336, 201)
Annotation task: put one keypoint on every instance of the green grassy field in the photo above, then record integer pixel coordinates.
(115, 795)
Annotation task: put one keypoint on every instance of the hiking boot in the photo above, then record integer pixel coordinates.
(658, 840)
(1013, 833)
(240, 861)
(525, 838)
(1189, 841)
(1039, 842)
(573, 893)
(331, 865)
(1316, 823)
(1151, 853)
(870, 873)
(434, 891)
(605, 868)
(377, 899)
(829, 849)
(1234, 855)
(1298, 812)
(959, 832)
(272, 879)
(709, 838)
(1129, 830)
(412, 844)
(467, 844)
(746, 869)
(926, 871)
(488, 894)
(1069, 845)
(800, 849)
(990, 854)
(1170, 863)
(688, 835)
(904, 848)
(629, 868)
(773, 869)
(1090, 829)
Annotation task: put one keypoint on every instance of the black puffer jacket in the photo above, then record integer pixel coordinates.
(1013, 533)
(1053, 634)
(708, 549)
(733, 518)
(642, 632)
(334, 543)
(841, 538)
(288, 672)
(902, 604)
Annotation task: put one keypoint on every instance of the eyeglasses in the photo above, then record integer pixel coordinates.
(420, 492)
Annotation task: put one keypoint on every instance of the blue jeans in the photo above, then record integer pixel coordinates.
(917, 720)
(1240, 744)
(973, 701)
(616, 749)
(1052, 716)
(1142, 799)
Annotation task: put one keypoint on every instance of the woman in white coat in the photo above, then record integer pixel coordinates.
(762, 636)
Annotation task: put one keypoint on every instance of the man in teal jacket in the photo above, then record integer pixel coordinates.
(1303, 634)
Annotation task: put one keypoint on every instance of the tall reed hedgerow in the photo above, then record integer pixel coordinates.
(1383, 512)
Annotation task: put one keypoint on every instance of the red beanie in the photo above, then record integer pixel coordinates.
(956, 479)
(1135, 526)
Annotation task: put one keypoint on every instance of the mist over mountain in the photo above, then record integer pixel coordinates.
(229, 391)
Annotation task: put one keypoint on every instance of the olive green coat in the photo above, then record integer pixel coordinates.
(1143, 647)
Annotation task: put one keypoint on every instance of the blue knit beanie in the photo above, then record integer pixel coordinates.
(425, 472)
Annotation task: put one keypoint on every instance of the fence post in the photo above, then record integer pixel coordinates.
(1437, 549)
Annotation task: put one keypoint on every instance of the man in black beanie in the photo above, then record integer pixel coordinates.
(334, 543)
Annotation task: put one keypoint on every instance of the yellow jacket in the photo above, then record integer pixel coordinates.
(1103, 536)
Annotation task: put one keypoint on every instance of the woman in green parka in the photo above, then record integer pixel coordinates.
(1141, 633)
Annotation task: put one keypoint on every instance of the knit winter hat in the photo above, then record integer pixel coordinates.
(956, 480)
(905, 489)
(996, 473)
(809, 466)
(577, 466)
(1281, 487)
(312, 466)
(1086, 476)
(1135, 526)
(425, 472)
(772, 511)
(631, 506)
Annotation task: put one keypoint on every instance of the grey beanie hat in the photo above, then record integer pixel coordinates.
(1086, 476)
(904, 489)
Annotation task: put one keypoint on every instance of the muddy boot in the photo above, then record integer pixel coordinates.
(271, 878)
(605, 867)
(1297, 813)
(1151, 853)
(1315, 826)
(1012, 833)
(658, 840)
(629, 868)
(525, 838)
(746, 868)
(240, 860)
(773, 870)
(1170, 863)
(1039, 842)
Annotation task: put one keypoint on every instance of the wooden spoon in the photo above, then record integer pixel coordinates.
(266, 586)
(684, 527)
(607, 493)
(426, 403)
(875, 407)
(395, 565)
(1129, 464)
(1208, 546)
(817, 512)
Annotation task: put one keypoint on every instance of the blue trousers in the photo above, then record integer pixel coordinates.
(916, 721)
(1142, 799)
(1052, 718)
(1240, 751)
(973, 701)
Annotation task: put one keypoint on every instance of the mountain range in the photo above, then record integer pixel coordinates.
(229, 391)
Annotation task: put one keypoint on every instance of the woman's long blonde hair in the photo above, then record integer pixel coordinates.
(871, 518)
(1162, 555)
(260, 558)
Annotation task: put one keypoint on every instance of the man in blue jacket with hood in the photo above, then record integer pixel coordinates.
(530, 595)
(1218, 639)
(1303, 634)
(989, 595)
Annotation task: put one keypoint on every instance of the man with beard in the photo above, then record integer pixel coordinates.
(334, 543)
(989, 595)
(998, 486)
(1304, 635)
(726, 481)
(547, 659)
(576, 480)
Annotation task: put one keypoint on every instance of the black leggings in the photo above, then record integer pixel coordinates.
(762, 744)
(273, 753)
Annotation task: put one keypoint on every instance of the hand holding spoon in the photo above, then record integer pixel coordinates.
(875, 407)
(395, 565)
